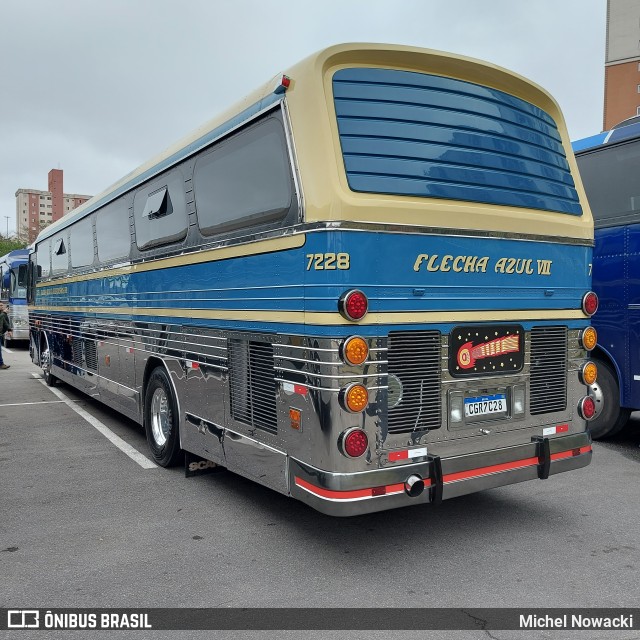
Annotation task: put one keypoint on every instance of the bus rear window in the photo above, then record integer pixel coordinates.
(414, 134)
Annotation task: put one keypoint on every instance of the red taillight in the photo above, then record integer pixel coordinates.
(587, 408)
(590, 303)
(354, 442)
(353, 305)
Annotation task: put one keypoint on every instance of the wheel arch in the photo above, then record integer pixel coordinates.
(600, 353)
(153, 362)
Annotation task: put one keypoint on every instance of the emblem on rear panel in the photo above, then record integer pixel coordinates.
(486, 350)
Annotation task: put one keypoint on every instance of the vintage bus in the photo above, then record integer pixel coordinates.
(366, 286)
(609, 163)
(13, 292)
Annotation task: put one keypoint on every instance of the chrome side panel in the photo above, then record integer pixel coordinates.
(256, 461)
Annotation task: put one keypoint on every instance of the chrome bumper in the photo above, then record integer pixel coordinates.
(348, 494)
(19, 334)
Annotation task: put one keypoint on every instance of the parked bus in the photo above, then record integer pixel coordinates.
(13, 292)
(366, 286)
(610, 167)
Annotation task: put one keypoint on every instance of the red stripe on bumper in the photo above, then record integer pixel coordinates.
(348, 495)
(370, 492)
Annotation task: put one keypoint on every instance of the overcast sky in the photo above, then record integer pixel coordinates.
(97, 87)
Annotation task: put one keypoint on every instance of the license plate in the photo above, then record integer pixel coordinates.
(485, 405)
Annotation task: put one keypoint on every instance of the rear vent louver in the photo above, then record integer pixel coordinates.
(548, 382)
(77, 355)
(414, 373)
(91, 355)
(252, 385)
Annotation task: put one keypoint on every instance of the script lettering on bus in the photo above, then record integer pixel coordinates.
(480, 264)
(53, 291)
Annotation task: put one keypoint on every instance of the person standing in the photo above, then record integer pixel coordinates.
(5, 327)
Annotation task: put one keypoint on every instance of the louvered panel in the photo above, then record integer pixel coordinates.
(548, 373)
(91, 355)
(76, 352)
(414, 358)
(252, 384)
(415, 134)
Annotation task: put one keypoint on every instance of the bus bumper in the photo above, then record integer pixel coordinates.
(349, 494)
(18, 334)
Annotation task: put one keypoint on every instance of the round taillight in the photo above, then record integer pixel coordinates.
(353, 305)
(354, 442)
(589, 338)
(354, 350)
(589, 373)
(590, 303)
(354, 398)
(587, 408)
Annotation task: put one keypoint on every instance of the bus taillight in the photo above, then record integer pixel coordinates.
(354, 398)
(353, 442)
(590, 303)
(589, 373)
(587, 408)
(589, 338)
(353, 305)
(354, 350)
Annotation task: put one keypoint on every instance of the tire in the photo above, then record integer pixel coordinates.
(45, 363)
(161, 419)
(611, 417)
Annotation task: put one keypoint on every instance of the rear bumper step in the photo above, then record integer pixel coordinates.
(347, 494)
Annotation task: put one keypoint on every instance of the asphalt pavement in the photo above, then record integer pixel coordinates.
(84, 522)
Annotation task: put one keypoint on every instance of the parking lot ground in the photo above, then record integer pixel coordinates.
(83, 524)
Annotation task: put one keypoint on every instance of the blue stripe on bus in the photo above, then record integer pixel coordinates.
(408, 133)
(398, 272)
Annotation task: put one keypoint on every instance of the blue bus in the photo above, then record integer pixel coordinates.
(13, 292)
(365, 286)
(609, 164)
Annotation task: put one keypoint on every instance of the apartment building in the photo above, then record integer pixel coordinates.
(36, 209)
(622, 62)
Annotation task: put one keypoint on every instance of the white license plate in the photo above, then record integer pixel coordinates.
(485, 405)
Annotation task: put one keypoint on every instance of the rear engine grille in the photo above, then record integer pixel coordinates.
(252, 384)
(414, 358)
(548, 381)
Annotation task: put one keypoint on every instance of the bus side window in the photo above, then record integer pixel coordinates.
(245, 180)
(60, 256)
(81, 243)
(113, 232)
(43, 256)
(160, 211)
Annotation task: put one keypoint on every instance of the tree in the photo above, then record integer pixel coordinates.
(9, 244)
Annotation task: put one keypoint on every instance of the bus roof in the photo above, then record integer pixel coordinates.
(16, 255)
(619, 133)
(307, 96)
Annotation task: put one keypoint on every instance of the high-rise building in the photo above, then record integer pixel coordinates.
(36, 209)
(622, 62)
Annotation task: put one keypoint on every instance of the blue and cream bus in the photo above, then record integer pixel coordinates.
(366, 286)
(13, 292)
(609, 163)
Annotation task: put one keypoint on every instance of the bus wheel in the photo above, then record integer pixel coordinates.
(611, 417)
(45, 363)
(161, 419)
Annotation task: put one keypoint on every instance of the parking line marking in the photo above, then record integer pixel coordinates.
(22, 404)
(125, 447)
(7, 350)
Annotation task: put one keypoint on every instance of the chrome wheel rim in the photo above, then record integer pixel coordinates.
(160, 417)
